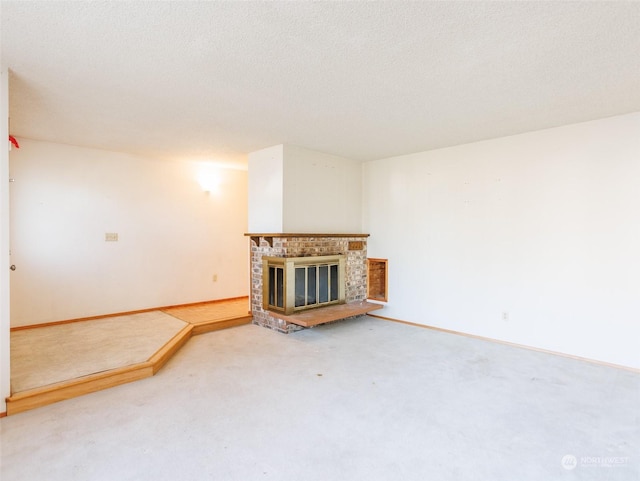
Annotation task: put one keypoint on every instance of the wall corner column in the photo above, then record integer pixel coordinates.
(5, 323)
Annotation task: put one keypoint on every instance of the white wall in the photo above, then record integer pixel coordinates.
(543, 226)
(173, 236)
(266, 190)
(322, 192)
(5, 360)
(297, 190)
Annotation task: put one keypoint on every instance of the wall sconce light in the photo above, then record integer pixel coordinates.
(209, 178)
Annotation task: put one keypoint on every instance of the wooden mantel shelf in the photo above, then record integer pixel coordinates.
(304, 235)
(269, 237)
(313, 317)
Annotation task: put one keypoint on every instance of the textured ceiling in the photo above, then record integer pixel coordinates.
(364, 80)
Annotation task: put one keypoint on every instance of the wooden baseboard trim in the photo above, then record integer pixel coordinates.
(3, 414)
(126, 313)
(512, 344)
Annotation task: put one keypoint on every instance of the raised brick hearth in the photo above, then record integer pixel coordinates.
(354, 246)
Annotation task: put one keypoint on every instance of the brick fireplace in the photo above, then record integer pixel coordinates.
(352, 246)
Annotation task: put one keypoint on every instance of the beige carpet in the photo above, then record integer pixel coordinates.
(47, 355)
(361, 399)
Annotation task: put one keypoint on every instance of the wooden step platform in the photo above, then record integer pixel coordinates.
(212, 316)
(41, 396)
(205, 317)
(314, 317)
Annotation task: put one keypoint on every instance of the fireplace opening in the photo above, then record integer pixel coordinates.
(293, 284)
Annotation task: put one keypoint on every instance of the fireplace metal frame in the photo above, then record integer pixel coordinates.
(287, 266)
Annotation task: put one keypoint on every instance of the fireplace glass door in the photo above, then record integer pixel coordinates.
(276, 280)
(296, 283)
(316, 284)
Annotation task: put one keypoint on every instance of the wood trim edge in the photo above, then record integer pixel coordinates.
(34, 398)
(78, 381)
(512, 344)
(210, 326)
(166, 352)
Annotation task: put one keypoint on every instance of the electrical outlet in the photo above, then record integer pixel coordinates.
(215, 278)
(111, 237)
(505, 316)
